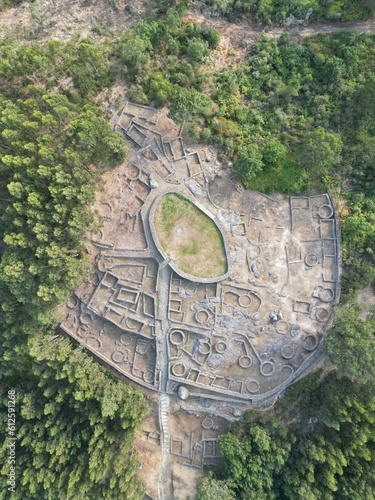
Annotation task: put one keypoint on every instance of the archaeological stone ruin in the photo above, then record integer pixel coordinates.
(204, 350)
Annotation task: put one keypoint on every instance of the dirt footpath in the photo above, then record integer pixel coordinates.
(238, 37)
(62, 19)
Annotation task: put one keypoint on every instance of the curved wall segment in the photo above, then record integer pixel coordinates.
(174, 263)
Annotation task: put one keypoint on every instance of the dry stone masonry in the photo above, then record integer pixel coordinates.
(210, 348)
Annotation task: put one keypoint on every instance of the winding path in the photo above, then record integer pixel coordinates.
(61, 20)
(243, 26)
(238, 37)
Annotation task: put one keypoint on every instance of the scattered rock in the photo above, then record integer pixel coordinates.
(273, 318)
(183, 393)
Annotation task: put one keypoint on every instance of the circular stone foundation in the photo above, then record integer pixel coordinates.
(191, 289)
(267, 368)
(177, 337)
(245, 361)
(126, 339)
(120, 356)
(321, 314)
(244, 300)
(133, 172)
(326, 295)
(311, 260)
(325, 211)
(94, 343)
(287, 351)
(220, 347)
(282, 327)
(204, 348)
(178, 369)
(252, 386)
(201, 316)
(310, 342)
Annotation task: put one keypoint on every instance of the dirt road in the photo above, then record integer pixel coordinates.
(245, 27)
(62, 19)
(237, 38)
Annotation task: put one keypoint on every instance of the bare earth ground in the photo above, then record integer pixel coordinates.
(208, 350)
(62, 19)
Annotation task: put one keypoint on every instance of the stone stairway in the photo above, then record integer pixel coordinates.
(164, 480)
(164, 421)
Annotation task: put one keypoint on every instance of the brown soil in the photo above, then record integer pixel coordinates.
(96, 18)
(147, 443)
(366, 298)
(60, 20)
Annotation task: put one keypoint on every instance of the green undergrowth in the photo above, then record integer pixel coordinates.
(75, 422)
(318, 442)
(6, 4)
(276, 11)
(174, 207)
(288, 179)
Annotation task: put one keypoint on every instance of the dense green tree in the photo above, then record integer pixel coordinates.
(319, 151)
(136, 52)
(271, 11)
(323, 445)
(358, 236)
(50, 179)
(247, 164)
(274, 153)
(212, 489)
(75, 426)
(197, 50)
(252, 461)
(90, 69)
(335, 454)
(188, 103)
(351, 344)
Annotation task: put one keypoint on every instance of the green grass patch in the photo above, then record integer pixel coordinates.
(190, 237)
(190, 250)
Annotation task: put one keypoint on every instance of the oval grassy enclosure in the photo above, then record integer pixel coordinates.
(190, 237)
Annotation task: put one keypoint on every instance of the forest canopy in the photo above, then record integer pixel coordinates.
(318, 442)
(286, 12)
(75, 422)
(291, 116)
